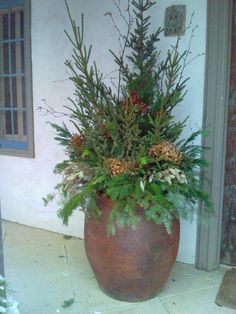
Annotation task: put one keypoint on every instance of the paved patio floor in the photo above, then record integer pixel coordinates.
(44, 269)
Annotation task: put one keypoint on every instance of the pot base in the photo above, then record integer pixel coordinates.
(132, 265)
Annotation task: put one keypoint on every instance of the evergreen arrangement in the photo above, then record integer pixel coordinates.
(127, 144)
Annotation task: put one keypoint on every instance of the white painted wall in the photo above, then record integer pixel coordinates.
(23, 182)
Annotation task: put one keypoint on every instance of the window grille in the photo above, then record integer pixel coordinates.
(14, 126)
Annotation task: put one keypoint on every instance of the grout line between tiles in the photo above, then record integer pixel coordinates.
(188, 292)
(164, 306)
(31, 245)
(199, 277)
(4, 237)
(76, 297)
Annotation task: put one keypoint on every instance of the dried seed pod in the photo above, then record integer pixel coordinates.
(118, 167)
(77, 141)
(166, 151)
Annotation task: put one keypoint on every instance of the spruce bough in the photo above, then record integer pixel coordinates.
(127, 144)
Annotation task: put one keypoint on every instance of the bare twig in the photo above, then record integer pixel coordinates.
(125, 38)
(48, 110)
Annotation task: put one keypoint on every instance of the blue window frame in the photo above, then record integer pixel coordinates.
(6, 4)
(16, 125)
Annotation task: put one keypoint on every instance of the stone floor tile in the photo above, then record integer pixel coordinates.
(201, 302)
(180, 283)
(16, 236)
(42, 260)
(148, 307)
(77, 259)
(190, 270)
(42, 294)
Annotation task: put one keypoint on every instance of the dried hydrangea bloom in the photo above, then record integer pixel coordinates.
(166, 151)
(118, 167)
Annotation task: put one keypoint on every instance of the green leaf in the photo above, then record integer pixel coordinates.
(120, 187)
(68, 303)
(111, 229)
(70, 205)
(87, 153)
(144, 161)
(120, 192)
(49, 198)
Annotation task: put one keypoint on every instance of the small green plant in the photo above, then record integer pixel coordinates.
(127, 144)
(7, 305)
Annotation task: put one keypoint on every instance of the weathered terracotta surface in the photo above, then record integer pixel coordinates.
(133, 265)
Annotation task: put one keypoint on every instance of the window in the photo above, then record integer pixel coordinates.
(16, 125)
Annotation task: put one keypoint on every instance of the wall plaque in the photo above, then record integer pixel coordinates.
(175, 20)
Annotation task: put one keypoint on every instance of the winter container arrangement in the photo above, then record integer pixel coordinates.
(128, 167)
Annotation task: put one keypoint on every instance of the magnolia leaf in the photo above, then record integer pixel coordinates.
(142, 186)
(81, 174)
(151, 178)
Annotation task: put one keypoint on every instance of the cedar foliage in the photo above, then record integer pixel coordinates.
(125, 127)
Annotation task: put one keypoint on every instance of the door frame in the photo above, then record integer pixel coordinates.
(216, 100)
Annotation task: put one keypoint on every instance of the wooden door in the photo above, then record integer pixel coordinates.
(228, 244)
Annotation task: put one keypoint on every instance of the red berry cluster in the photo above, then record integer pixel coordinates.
(106, 134)
(135, 99)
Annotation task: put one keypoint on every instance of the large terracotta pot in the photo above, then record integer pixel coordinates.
(133, 265)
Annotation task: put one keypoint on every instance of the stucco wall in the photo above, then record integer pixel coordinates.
(23, 182)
